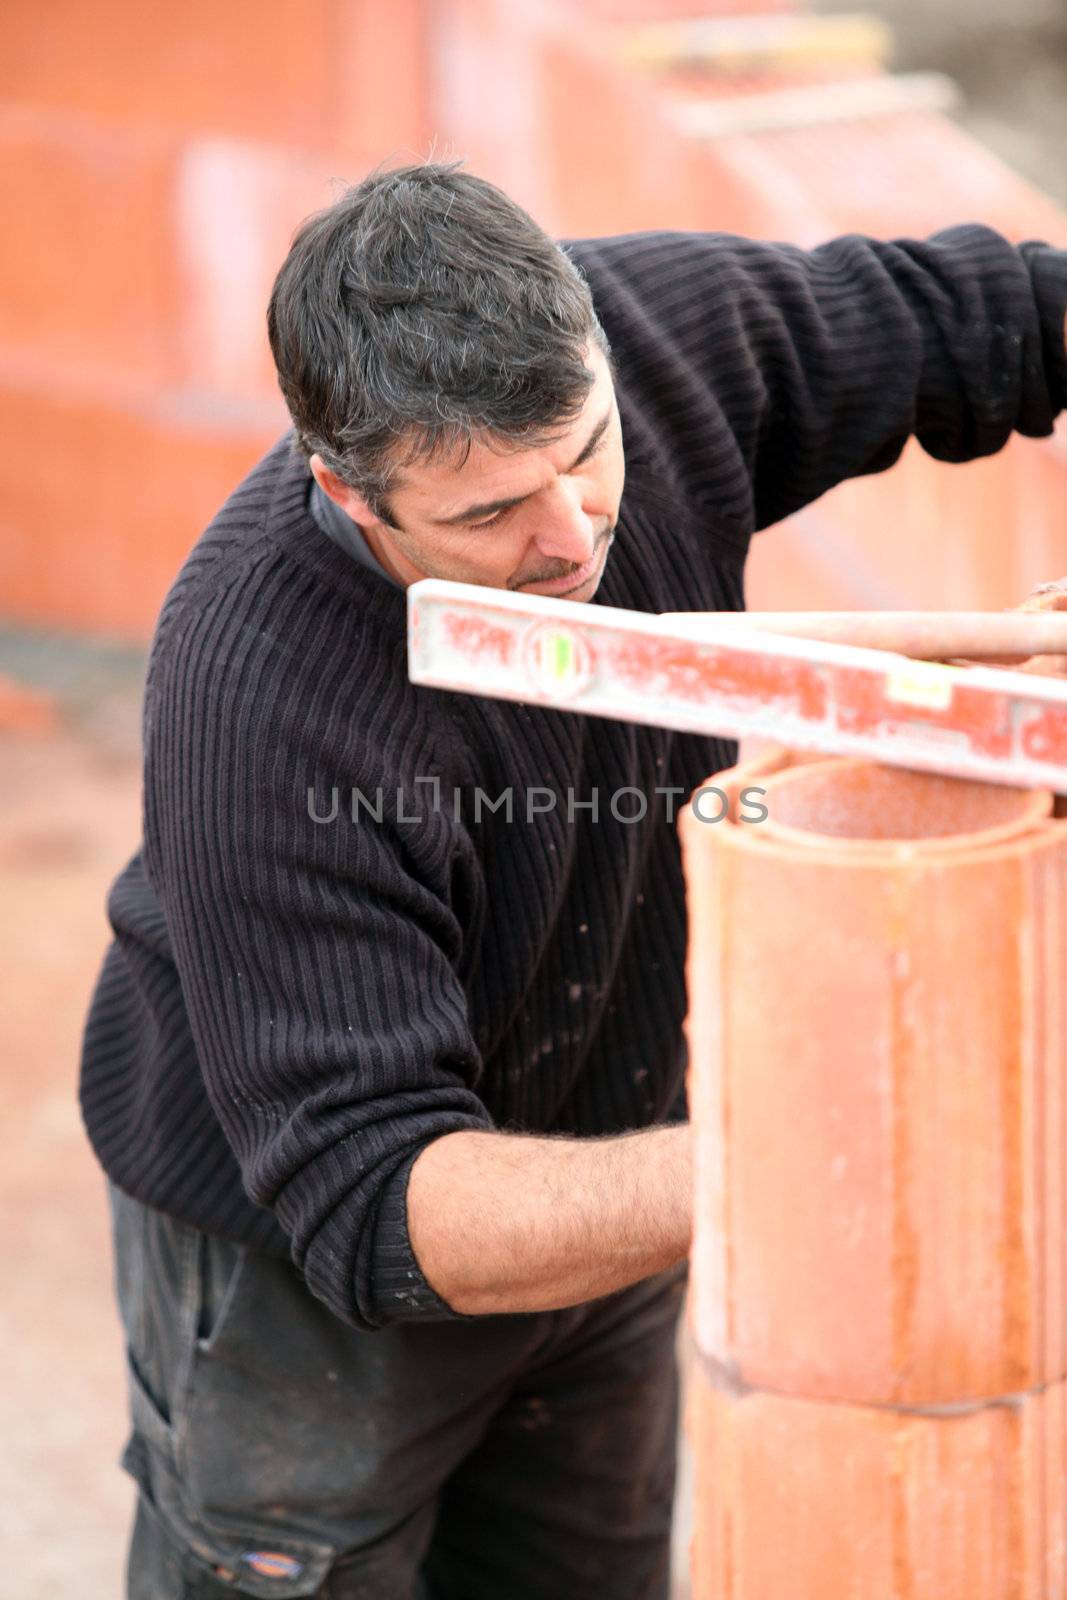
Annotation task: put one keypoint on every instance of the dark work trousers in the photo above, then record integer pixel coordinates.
(280, 1452)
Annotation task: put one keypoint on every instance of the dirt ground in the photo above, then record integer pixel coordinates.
(68, 815)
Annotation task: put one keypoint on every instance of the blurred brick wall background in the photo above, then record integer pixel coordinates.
(1009, 60)
(158, 159)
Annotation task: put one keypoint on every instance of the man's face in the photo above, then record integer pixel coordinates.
(539, 521)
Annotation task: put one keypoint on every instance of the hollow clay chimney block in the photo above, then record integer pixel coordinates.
(876, 1029)
(820, 1501)
(876, 1084)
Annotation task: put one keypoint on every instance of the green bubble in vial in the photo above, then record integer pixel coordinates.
(562, 654)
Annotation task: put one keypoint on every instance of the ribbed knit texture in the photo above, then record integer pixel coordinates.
(292, 1009)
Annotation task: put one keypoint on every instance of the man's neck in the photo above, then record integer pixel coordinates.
(349, 536)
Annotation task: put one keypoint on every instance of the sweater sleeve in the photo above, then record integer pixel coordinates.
(319, 956)
(804, 368)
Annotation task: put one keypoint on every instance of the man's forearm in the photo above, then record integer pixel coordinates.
(509, 1222)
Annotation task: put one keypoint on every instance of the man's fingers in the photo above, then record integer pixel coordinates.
(1050, 596)
(1051, 666)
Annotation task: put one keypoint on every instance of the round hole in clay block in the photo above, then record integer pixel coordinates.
(864, 801)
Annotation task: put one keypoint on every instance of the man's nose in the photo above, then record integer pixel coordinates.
(567, 533)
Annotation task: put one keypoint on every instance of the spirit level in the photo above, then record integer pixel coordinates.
(703, 674)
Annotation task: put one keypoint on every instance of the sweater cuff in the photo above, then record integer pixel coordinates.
(1048, 272)
(400, 1291)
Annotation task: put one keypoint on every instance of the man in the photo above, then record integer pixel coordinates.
(388, 1082)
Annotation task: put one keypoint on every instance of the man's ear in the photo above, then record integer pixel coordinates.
(342, 494)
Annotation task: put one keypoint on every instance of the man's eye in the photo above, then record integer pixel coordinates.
(498, 516)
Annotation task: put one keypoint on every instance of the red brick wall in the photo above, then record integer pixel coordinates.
(157, 159)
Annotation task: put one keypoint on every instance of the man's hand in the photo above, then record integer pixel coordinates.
(1046, 597)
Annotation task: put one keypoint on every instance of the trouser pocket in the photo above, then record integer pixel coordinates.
(160, 1568)
(179, 1293)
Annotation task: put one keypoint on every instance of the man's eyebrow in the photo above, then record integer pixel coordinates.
(485, 508)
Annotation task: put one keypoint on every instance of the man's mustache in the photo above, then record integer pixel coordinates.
(565, 571)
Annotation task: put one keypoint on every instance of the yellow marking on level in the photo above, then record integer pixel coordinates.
(922, 683)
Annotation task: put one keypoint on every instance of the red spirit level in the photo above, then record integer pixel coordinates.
(702, 673)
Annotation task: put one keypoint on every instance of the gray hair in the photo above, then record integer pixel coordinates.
(423, 310)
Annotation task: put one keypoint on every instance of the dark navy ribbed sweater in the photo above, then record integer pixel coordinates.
(291, 1009)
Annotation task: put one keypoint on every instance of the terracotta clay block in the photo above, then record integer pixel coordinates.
(93, 536)
(819, 1501)
(224, 69)
(136, 261)
(90, 279)
(344, 76)
(877, 1065)
(235, 209)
